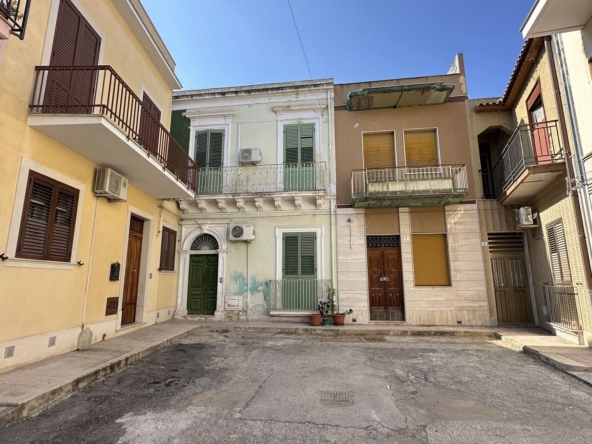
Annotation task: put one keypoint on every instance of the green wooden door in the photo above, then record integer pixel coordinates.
(300, 288)
(203, 284)
(299, 167)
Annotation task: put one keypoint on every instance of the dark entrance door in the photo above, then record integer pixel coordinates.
(76, 44)
(132, 271)
(510, 283)
(203, 284)
(385, 279)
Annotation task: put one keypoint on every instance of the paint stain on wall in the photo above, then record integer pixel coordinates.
(239, 284)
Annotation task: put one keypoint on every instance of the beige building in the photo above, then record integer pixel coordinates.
(409, 248)
(531, 225)
(88, 228)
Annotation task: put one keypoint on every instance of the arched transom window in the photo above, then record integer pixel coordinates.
(205, 242)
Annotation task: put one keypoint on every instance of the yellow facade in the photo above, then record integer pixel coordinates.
(41, 298)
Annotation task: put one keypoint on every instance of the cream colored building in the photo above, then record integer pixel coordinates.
(89, 87)
(258, 242)
(536, 268)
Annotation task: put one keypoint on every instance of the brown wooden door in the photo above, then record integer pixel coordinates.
(76, 44)
(385, 284)
(149, 128)
(510, 283)
(132, 271)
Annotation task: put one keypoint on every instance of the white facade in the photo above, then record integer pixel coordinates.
(232, 193)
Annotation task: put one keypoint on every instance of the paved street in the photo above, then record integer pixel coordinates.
(217, 387)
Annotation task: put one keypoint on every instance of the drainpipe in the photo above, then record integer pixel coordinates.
(570, 168)
(92, 247)
(332, 202)
(248, 283)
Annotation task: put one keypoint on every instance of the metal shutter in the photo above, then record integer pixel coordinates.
(421, 148)
(379, 150)
(430, 260)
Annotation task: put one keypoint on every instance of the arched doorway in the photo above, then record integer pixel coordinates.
(203, 276)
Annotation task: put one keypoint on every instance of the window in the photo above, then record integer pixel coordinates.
(430, 253)
(167, 250)
(379, 150)
(558, 252)
(300, 258)
(49, 215)
(421, 148)
(208, 148)
(299, 170)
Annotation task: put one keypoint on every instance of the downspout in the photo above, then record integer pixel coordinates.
(332, 202)
(570, 168)
(248, 283)
(92, 247)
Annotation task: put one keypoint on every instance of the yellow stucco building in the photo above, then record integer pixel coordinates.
(89, 175)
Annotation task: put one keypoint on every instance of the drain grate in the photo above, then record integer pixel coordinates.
(337, 397)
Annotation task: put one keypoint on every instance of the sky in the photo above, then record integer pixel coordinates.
(219, 43)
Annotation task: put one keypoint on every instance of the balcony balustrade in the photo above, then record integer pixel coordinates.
(409, 186)
(66, 97)
(16, 14)
(530, 160)
(297, 294)
(259, 179)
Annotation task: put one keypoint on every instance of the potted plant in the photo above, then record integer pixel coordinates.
(325, 312)
(314, 319)
(338, 318)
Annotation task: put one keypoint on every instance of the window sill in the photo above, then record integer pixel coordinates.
(36, 263)
(167, 271)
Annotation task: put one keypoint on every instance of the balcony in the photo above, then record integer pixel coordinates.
(92, 111)
(530, 161)
(15, 14)
(409, 186)
(262, 179)
(294, 296)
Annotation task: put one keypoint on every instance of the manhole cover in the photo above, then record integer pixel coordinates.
(337, 397)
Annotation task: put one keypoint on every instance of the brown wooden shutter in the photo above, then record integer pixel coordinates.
(149, 128)
(49, 215)
(60, 244)
(430, 260)
(35, 223)
(379, 150)
(558, 252)
(168, 248)
(421, 148)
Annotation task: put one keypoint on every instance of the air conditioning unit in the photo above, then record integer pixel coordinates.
(111, 185)
(525, 218)
(250, 155)
(242, 233)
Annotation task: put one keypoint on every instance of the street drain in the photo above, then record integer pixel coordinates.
(337, 397)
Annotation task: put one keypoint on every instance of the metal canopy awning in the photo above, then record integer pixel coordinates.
(399, 96)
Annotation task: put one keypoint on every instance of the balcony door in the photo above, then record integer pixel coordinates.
(299, 151)
(150, 128)
(76, 45)
(541, 145)
(209, 145)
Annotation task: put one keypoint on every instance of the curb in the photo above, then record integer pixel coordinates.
(558, 362)
(37, 403)
(336, 332)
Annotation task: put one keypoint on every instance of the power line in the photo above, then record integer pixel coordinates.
(300, 38)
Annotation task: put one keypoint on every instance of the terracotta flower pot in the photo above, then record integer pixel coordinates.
(314, 320)
(339, 319)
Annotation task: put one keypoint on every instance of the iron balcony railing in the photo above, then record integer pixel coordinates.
(561, 307)
(100, 90)
(297, 294)
(263, 178)
(529, 145)
(410, 181)
(16, 13)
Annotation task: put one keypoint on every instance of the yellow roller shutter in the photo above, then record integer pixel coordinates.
(421, 148)
(379, 150)
(430, 260)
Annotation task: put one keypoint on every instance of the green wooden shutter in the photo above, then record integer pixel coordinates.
(216, 143)
(307, 143)
(300, 258)
(291, 144)
(201, 149)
